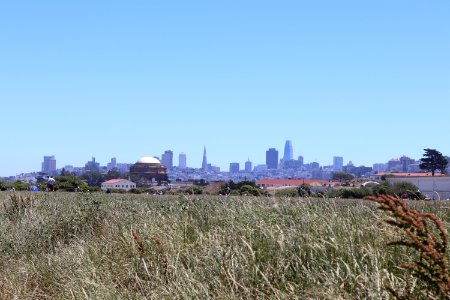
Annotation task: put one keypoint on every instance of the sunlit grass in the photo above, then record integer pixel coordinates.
(120, 246)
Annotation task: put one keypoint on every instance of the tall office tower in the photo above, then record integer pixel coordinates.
(338, 163)
(49, 164)
(288, 151)
(92, 166)
(182, 161)
(300, 160)
(167, 159)
(272, 158)
(234, 167)
(205, 161)
(111, 165)
(248, 166)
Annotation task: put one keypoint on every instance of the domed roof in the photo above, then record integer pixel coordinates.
(148, 160)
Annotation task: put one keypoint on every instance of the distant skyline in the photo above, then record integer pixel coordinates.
(367, 81)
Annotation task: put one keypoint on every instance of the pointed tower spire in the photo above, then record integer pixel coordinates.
(205, 161)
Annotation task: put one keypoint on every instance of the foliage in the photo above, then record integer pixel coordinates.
(114, 174)
(384, 188)
(386, 176)
(426, 235)
(406, 188)
(117, 191)
(433, 160)
(5, 185)
(342, 176)
(71, 183)
(249, 190)
(193, 190)
(304, 190)
(290, 193)
(93, 178)
(234, 188)
(21, 186)
(64, 172)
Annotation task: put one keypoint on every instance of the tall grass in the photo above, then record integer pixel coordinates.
(117, 246)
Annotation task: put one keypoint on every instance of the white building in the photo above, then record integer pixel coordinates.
(118, 184)
(434, 187)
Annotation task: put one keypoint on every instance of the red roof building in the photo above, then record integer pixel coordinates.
(119, 184)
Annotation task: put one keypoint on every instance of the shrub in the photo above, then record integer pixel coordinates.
(193, 190)
(21, 186)
(287, 193)
(249, 190)
(70, 183)
(118, 191)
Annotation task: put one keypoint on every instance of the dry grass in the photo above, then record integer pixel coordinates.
(79, 246)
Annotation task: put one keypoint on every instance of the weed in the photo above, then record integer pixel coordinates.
(17, 205)
(426, 235)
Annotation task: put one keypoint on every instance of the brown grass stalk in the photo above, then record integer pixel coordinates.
(425, 234)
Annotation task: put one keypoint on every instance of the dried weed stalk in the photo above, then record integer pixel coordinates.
(426, 234)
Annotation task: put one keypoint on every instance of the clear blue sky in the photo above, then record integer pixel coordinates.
(366, 80)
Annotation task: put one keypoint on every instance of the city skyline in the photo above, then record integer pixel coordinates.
(362, 80)
(50, 164)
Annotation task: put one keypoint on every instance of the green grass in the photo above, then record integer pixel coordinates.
(81, 246)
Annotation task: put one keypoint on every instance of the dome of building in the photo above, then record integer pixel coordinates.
(148, 160)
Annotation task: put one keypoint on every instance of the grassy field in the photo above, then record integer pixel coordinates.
(98, 246)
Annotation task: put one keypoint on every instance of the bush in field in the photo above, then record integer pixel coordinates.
(136, 191)
(249, 190)
(287, 193)
(351, 193)
(193, 190)
(21, 186)
(117, 191)
(235, 187)
(5, 185)
(385, 188)
(70, 183)
(407, 188)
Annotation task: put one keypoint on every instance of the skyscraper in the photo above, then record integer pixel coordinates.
(111, 165)
(49, 164)
(182, 161)
(338, 163)
(272, 158)
(92, 166)
(234, 167)
(205, 161)
(288, 151)
(248, 166)
(167, 159)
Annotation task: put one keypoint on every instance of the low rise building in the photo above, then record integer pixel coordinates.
(118, 184)
(434, 187)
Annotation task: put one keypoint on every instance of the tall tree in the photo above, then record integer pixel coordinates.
(433, 160)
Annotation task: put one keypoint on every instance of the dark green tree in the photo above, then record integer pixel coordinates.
(342, 176)
(433, 160)
(70, 183)
(114, 174)
(93, 178)
(64, 172)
